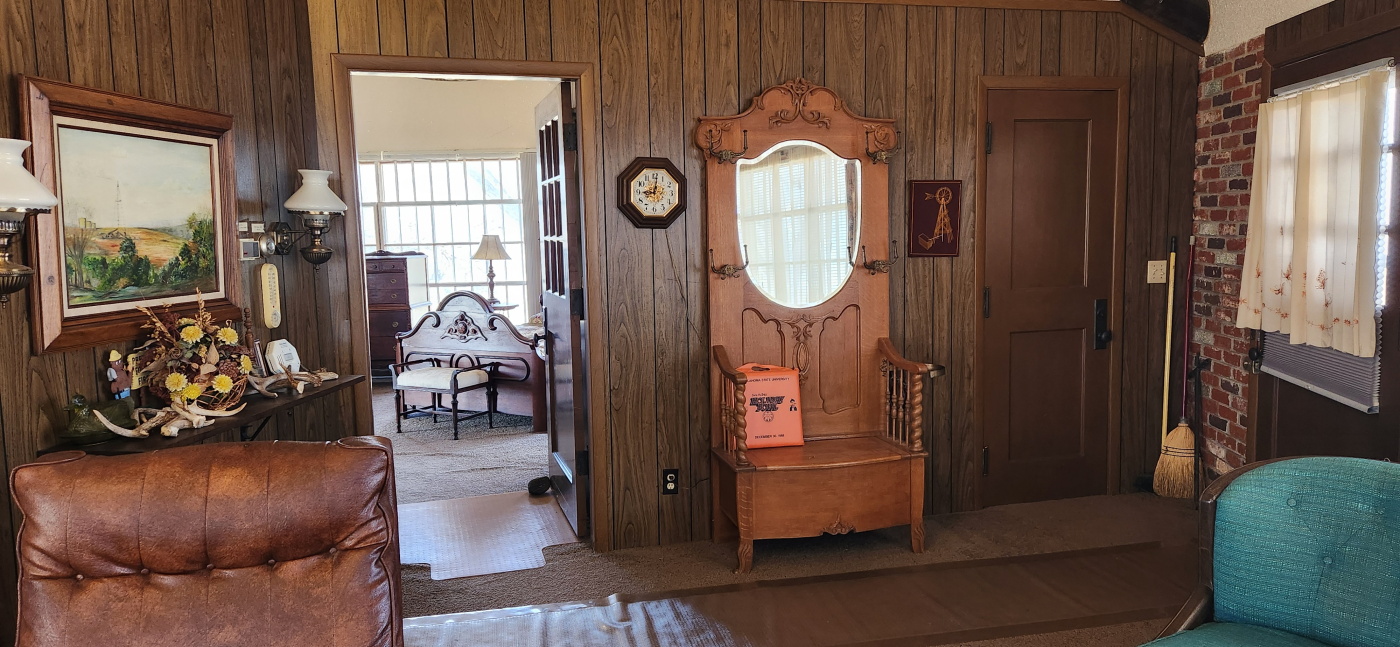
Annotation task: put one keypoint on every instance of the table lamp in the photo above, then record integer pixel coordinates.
(491, 250)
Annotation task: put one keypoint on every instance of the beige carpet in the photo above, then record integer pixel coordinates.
(935, 604)
(481, 535)
(576, 572)
(430, 466)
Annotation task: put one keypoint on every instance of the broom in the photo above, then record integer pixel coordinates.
(1176, 469)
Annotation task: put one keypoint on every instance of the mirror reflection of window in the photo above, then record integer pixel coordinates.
(799, 218)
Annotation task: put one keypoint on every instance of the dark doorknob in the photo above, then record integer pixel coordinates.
(1102, 335)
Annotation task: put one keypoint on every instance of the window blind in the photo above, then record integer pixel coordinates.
(1346, 378)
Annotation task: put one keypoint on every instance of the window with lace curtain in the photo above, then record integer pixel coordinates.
(1317, 251)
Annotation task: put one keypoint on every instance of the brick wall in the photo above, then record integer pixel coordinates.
(1226, 119)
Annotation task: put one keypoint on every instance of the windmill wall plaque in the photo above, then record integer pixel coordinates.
(935, 210)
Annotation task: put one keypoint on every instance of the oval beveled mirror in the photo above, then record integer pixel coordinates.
(799, 220)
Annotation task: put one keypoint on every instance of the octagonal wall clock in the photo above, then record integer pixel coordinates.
(651, 192)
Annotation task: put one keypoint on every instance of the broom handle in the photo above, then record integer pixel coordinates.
(1167, 355)
(1186, 322)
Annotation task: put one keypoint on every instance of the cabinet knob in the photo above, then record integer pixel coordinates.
(396, 324)
(393, 281)
(394, 296)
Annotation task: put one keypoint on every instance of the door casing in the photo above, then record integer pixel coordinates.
(1119, 85)
(590, 141)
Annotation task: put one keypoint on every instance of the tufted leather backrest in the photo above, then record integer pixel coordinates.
(1312, 546)
(244, 544)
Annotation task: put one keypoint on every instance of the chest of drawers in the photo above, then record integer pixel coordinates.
(397, 289)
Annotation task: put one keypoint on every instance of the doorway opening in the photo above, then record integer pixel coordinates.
(468, 185)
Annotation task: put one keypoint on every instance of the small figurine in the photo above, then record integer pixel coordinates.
(118, 375)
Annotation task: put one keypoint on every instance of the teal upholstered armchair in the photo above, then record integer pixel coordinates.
(1301, 552)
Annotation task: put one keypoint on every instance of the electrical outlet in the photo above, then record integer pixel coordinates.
(670, 481)
(1156, 271)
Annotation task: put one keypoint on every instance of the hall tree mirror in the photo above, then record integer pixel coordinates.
(799, 219)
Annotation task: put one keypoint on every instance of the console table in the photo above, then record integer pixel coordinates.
(258, 410)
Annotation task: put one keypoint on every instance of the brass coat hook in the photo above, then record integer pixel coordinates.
(729, 271)
(728, 156)
(880, 266)
(882, 155)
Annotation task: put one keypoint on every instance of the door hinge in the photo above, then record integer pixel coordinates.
(581, 466)
(576, 302)
(986, 461)
(570, 136)
(986, 303)
(989, 138)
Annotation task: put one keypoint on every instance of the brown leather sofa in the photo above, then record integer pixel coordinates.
(226, 544)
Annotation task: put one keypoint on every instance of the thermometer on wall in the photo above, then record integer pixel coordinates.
(270, 289)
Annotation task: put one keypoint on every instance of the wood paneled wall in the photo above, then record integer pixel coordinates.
(663, 63)
(242, 57)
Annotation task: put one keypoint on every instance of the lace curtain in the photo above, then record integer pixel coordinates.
(1311, 251)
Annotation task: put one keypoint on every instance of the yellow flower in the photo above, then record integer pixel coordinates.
(245, 364)
(227, 335)
(184, 321)
(175, 382)
(192, 392)
(222, 383)
(191, 334)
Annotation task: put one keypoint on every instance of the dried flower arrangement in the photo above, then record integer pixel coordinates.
(193, 360)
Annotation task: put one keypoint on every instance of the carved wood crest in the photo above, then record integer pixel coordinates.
(464, 329)
(798, 102)
(839, 527)
(797, 92)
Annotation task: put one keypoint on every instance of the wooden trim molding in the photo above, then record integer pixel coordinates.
(1103, 6)
(342, 65)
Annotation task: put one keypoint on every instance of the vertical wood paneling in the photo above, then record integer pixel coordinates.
(393, 28)
(845, 73)
(694, 86)
(993, 50)
(782, 42)
(813, 41)
(885, 75)
(967, 134)
(86, 22)
(1111, 53)
(192, 34)
(631, 388)
(357, 26)
(750, 42)
(1050, 43)
(122, 35)
(1140, 225)
(537, 27)
(461, 30)
(1078, 31)
(427, 28)
(154, 58)
(669, 271)
(500, 29)
(1023, 34)
(51, 45)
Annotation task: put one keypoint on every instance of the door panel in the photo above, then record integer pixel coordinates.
(561, 301)
(1052, 224)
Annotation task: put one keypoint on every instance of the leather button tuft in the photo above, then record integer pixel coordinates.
(1327, 561)
(332, 550)
(271, 562)
(210, 567)
(80, 577)
(1292, 503)
(145, 571)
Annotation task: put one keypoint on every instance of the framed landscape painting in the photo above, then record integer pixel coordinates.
(146, 212)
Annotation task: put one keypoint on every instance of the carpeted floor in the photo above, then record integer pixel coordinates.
(430, 466)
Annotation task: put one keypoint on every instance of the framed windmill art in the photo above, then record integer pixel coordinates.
(935, 210)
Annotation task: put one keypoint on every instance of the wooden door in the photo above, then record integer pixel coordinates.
(1047, 365)
(561, 299)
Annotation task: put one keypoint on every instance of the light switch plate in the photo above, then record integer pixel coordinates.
(1156, 271)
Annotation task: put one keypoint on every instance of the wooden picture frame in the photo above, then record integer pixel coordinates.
(93, 268)
(935, 213)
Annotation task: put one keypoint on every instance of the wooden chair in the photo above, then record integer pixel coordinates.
(862, 466)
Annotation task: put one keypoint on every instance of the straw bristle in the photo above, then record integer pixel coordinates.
(1176, 467)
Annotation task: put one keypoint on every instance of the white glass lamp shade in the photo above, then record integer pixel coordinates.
(20, 192)
(315, 195)
(491, 249)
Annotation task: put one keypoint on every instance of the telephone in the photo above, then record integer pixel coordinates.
(270, 292)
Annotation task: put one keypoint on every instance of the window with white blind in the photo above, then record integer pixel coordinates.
(441, 206)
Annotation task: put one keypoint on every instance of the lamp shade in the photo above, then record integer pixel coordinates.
(491, 249)
(19, 190)
(315, 195)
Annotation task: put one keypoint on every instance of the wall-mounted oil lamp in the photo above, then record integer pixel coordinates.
(21, 194)
(317, 205)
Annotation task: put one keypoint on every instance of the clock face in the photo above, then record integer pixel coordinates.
(654, 192)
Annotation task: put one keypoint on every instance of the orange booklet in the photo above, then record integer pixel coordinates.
(773, 406)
